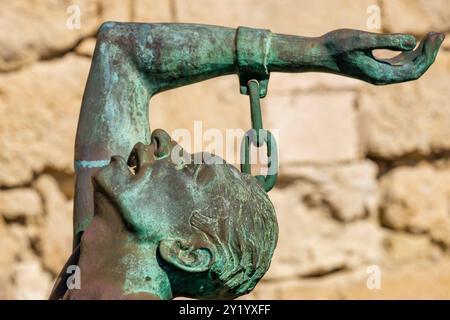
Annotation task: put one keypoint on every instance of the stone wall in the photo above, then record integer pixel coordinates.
(364, 187)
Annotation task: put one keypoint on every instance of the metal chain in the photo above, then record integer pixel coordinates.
(258, 136)
(255, 111)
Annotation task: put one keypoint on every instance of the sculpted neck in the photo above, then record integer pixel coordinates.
(136, 259)
(115, 264)
(144, 275)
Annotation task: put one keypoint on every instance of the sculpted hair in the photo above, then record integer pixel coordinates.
(244, 232)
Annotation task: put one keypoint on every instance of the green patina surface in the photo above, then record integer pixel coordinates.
(174, 228)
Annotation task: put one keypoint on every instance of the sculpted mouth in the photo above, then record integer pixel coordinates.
(138, 163)
(134, 161)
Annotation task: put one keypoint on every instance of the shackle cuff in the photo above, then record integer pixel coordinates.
(252, 51)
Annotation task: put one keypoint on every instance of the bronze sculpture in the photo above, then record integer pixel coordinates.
(173, 228)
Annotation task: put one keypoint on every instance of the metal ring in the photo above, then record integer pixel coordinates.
(268, 181)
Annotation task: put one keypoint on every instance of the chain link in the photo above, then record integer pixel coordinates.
(259, 136)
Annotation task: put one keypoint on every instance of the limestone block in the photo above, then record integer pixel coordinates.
(415, 199)
(410, 118)
(39, 109)
(294, 83)
(54, 240)
(207, 116)
(415, 16)
(153, 11)
(308, 18)
(314, 128)
(86, 47)
(406, 248)
(31, 282)
(20, 203)
(115, 10)
(347, 192)
(312, 245)
(30, 32)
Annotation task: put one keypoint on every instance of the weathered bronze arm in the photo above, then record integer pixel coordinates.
(134, 61)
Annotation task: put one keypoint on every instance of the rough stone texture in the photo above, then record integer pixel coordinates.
(415, 199)
(42, 29)
(210, 105)
(314, 128)
(33, 100)
(309, 18)
(346, 192)
(116, 10)
(312, 244)
(86, 47)
(410, 118)
(154, 11)
(17, 252)
(7, 259)
(409, 248)
(440, 232)
(428, 280)
(289, 84)
(364, 170)
(417, 16)
(446, 43)
(47, 29)
(19, 203)
(31, 281)
(54, 241)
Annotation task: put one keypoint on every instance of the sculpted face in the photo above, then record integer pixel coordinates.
(139, 202)
(156, 189)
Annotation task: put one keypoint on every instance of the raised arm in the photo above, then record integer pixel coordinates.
(133, 61)
(349, 53)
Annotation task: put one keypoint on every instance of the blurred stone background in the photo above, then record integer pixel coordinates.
(364, 189)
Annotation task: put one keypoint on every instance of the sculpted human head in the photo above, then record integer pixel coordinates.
(210, 228)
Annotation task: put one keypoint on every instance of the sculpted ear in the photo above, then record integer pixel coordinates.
(184, 257)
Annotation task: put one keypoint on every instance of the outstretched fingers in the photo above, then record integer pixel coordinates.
(431, 44)
(395, 42)
(355, 40)
(428, 49)
(406, 66)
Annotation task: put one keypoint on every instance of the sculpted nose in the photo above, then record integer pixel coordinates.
(162, 142)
